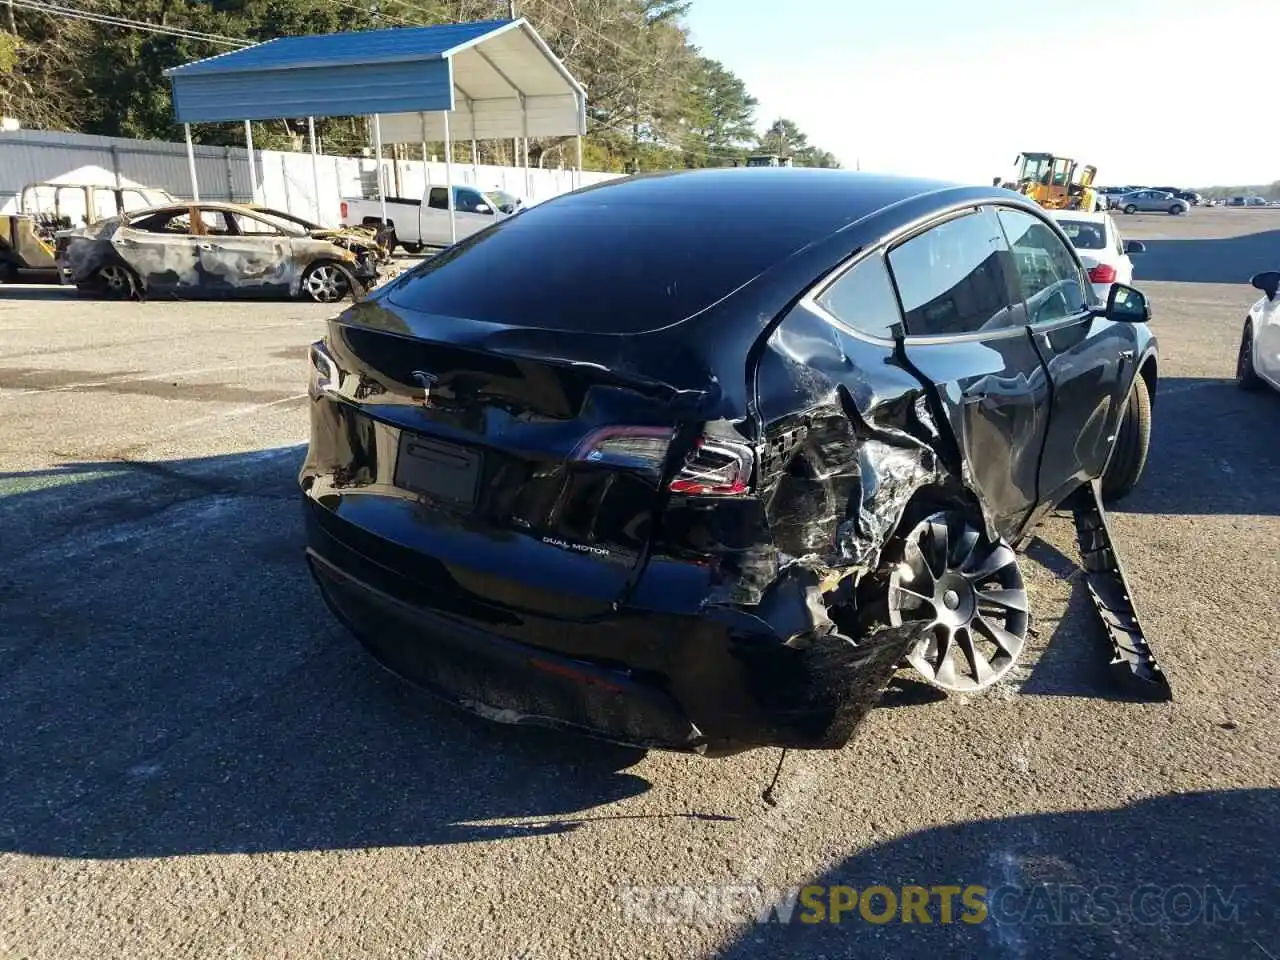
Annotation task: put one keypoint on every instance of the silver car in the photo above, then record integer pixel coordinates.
(1152, 201)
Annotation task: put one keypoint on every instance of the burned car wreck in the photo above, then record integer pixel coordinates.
(698, 460)
(219, 250)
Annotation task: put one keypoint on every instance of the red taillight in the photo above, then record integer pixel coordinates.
(1102, 273)
(714, 467)
(343, 208)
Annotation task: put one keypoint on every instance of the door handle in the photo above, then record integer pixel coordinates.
(207, 246)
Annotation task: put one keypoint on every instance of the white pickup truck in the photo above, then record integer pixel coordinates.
(425, 223)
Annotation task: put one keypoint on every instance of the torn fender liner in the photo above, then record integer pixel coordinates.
(793, 605)
(1132, 659)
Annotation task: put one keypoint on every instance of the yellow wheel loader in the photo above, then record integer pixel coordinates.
(1056, 183)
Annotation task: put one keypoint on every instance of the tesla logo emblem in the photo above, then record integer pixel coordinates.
(426, 381)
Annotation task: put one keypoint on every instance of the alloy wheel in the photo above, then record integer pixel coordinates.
(325, 284)
(115, 280)
(970, 593)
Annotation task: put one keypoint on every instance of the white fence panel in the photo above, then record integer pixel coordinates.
(288, 183)
(286, 179)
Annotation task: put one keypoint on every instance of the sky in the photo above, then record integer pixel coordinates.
(1154, 92)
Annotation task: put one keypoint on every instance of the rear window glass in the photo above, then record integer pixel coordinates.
(1084, 235)
(607, 267)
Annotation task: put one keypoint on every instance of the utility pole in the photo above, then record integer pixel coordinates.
(13, 23)
(515, 144)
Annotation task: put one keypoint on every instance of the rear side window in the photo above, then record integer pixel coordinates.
(1051, 281)
(438, 199)
(952, 278)
(863, 298)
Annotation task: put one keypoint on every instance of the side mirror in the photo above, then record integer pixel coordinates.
(1135, 246)
(1127, 305)
(1268, 282)
(482, 208)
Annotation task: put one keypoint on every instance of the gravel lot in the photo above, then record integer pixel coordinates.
(195, 760)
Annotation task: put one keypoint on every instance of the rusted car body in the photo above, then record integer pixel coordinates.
(28, 239)
(217, 250)
(359, 236)
(24, 248)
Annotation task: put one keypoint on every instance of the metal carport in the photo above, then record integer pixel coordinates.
(499, 77)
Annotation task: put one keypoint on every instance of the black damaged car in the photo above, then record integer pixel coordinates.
(697, 461)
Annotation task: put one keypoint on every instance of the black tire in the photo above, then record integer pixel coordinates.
(412, 249)
(1133, 444)
(1130, 209)
(1175, 210)
(1246, 377)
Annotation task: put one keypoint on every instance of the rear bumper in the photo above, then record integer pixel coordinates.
(716, 683)
(498, 678)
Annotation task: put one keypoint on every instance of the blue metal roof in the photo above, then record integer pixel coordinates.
(356, 48)
(410, 70)
(349, 90)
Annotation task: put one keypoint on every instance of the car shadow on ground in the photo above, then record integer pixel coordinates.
(1213, 450)
(1221, 260)
(1182, 875)
(1075, 660)
(174, 685)
(1208, 457)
